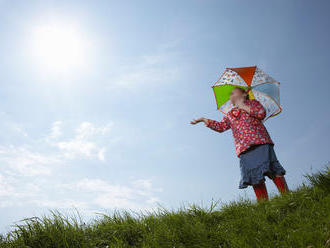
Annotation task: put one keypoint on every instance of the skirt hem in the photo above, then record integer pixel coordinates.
(256, 175)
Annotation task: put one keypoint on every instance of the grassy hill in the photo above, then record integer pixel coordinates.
(298, 219)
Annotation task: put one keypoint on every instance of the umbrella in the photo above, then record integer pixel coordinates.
(260, 86)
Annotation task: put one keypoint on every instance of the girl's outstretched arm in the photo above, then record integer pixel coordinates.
(219, 126)
(202, 119)
(214, 125)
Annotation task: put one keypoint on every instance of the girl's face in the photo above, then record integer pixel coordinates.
(236, 94)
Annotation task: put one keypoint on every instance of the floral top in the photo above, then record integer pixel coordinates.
(247, 127)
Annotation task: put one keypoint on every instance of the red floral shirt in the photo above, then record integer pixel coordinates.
(247, 128)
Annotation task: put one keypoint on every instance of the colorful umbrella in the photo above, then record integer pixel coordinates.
(259, 85)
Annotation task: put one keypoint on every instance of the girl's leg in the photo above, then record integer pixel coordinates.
(281, 184)
(261, 191)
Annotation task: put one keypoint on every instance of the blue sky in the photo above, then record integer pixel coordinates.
(101, 122)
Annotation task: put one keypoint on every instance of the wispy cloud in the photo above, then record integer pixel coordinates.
(56, 130)
(137, 194)
(23, 161)
(146, 71)
(29, 177)
(84, 144)
(10, 128)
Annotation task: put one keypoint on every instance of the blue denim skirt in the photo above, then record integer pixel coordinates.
(256, 163)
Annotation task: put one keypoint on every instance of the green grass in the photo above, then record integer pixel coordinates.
(298, 219)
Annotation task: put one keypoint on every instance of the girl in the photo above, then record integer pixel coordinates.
(254, 147)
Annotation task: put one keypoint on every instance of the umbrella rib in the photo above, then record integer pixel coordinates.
(265, 83)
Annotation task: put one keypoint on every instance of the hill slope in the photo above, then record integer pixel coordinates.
(298, 219)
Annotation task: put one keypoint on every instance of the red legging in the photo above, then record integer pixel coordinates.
(280, 183)
(261, 191)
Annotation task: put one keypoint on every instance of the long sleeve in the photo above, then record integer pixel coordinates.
(219, 126)
(257, 110)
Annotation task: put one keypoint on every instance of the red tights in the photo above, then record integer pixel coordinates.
(261, 191)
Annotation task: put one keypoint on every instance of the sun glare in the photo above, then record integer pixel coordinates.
(58, 48)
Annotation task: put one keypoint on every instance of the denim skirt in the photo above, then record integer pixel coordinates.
(256, 163)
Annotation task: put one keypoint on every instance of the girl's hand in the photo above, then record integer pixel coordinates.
(195, 121)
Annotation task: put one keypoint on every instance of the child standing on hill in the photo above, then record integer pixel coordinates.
(254, 146)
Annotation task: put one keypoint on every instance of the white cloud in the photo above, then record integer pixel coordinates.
(78, 148)
(38, 157)
(23, 161)
(139, 194)
(88, 130)
(56, 130)
(60, 204)
(6, 189)
(16, 190)
(10, 128)
(31, 172)
(101, 154)
(143, 184)
(84, 144)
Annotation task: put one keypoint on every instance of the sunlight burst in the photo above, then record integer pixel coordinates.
(58, 48)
